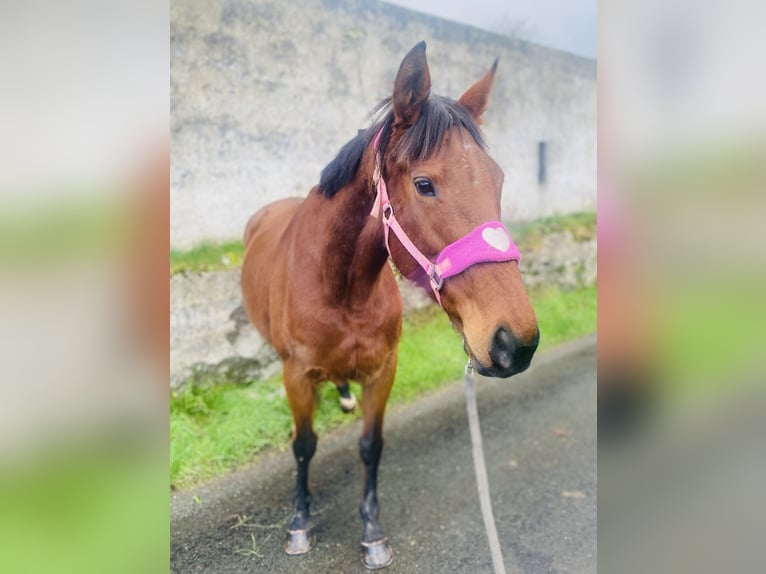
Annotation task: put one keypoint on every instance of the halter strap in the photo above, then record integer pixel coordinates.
(490, 241)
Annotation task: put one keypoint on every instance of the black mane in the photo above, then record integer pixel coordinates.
(419, 143)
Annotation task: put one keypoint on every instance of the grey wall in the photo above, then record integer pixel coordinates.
(265, 92)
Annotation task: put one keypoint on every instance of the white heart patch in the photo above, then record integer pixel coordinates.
(496, 237)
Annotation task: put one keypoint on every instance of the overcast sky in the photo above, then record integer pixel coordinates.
(568, 25)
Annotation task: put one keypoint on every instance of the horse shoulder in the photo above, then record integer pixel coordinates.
(264, 250)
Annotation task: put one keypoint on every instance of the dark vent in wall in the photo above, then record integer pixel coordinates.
(542, 149)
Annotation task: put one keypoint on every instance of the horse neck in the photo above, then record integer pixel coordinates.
(354, 253)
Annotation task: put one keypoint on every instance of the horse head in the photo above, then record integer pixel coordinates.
(444, 189)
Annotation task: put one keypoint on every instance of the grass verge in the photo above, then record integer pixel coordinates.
(215, 428)
(207, 256)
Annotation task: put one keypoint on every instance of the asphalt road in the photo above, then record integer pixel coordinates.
(539, 432)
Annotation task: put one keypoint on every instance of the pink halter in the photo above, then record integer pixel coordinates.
(489, 241)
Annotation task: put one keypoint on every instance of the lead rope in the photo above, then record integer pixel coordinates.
(482, 482)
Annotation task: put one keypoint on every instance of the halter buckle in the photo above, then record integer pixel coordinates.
(435, 277)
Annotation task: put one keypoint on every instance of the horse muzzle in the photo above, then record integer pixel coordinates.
(508, 355)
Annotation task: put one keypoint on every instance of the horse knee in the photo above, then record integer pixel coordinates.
(370, 448)
(304, 446)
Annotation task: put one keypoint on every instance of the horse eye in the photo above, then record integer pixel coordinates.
(425, 187)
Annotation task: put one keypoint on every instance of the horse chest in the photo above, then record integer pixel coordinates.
(350, 346)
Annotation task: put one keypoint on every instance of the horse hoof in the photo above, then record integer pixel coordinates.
(299, 542)
(347, 404)
(377, 554)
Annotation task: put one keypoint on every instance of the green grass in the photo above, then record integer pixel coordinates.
(528, 235)
(217, 427)
(207, 256)
(564, 315)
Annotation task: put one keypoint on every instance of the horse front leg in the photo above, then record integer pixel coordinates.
(377, 551)
(301, 394)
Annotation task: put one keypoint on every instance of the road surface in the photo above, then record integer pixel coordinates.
(539, 432)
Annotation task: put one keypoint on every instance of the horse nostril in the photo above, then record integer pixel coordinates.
(502, 348)
(508, 354)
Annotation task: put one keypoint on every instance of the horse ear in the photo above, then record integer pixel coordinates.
(412, 87)
(477, 96)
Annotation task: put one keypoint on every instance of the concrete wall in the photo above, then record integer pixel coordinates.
(265, 92)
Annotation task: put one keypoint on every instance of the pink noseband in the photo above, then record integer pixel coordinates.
(489, 241)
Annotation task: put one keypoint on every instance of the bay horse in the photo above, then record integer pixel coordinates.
(316, 283)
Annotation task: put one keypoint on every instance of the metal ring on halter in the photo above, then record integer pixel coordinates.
(388, 212)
